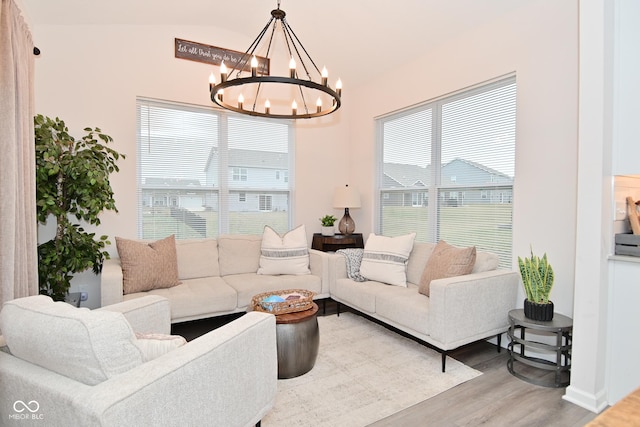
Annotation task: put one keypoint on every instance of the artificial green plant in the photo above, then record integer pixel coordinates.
(537, 278)
(72, 181)
(328, 220)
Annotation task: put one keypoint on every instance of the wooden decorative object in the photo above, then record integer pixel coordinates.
(632, 213)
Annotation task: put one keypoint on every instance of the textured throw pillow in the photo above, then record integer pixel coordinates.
(385, 258)
(446, 261)
(288, 254)
(155, 345)
(147, 266)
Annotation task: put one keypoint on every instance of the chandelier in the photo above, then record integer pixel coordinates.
(248, 89)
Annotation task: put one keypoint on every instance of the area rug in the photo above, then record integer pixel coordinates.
(364, 372)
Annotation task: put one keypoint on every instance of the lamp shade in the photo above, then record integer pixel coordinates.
(346, 197)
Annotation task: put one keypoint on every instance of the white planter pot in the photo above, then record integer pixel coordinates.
(328, 231)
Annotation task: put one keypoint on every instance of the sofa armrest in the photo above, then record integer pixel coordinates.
(467, 308)
(227, 377)
(111, 282)
(150, 314)
(337, 269)
(319, 266)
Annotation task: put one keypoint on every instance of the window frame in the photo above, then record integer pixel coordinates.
(225, 184)
(436, 186)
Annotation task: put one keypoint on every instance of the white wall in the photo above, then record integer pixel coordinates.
(539, 43)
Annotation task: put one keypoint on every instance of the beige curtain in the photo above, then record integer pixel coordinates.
(18, 228)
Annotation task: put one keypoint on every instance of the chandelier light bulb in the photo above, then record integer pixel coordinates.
(339, 87)
(212, 81)
(294, 107)
(292, 68)
(223, 72)
(254, 66)
(319, 105)
(267, 106)
(221, 94)
(240, 101)
(325, 76)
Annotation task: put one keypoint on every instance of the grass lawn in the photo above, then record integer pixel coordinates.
(487, 226)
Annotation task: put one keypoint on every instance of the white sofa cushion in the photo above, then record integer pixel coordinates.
(87, 346)
(385, 258)
(239, 254)
(485, 261)
(197, 258)
(286, 254)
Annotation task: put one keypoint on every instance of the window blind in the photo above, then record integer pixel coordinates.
(202, 172)
(447, 169)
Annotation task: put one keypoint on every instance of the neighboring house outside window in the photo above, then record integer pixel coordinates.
(470, 177)
(203, 172)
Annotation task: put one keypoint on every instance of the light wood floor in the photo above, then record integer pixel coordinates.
(493, 399)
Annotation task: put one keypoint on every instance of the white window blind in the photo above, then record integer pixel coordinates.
(202, 172)
(447, 169)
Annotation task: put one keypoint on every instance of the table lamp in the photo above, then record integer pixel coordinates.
(346, 197)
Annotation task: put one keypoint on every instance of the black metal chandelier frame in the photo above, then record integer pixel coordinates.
(295, 50)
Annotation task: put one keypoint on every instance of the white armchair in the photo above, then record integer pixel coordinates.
(227, 377)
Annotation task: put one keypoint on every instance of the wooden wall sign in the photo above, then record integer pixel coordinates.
(199, 52)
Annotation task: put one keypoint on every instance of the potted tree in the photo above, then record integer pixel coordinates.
(327, 225)
(537, 278)
(72, 181)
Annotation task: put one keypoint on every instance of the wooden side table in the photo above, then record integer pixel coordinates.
(562, 327)
(337, 241)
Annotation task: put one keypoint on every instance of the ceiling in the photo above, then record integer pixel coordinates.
(378, 34)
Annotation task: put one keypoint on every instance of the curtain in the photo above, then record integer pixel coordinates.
(18, 226)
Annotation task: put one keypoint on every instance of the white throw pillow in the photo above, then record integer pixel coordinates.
(156, 345)
(288, 254)
(385, 258)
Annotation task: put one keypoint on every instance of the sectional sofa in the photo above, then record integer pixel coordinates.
(220, 276)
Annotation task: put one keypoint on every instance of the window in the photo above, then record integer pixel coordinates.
(203, 172)
(462, 149)
(265, 202)
(239, 174)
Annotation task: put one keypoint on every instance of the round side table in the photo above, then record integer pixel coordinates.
(562, 327)
(298, 339)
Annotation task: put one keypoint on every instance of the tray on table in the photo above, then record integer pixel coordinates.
(302, 303)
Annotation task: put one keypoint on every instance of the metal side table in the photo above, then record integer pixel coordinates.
(562, 327)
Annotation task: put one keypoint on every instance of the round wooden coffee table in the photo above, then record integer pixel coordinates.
(298, 339)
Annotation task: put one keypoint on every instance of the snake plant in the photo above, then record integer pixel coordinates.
(537, 278)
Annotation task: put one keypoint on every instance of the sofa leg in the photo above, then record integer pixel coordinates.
(499, 338)
(259, 423)
(338, 308)
(444, 360)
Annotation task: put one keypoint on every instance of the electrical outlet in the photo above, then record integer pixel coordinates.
(84, 296)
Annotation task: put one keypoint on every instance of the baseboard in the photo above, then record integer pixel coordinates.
(592, 402)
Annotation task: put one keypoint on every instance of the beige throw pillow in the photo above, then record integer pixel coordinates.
(446, 261)
(147, 266)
